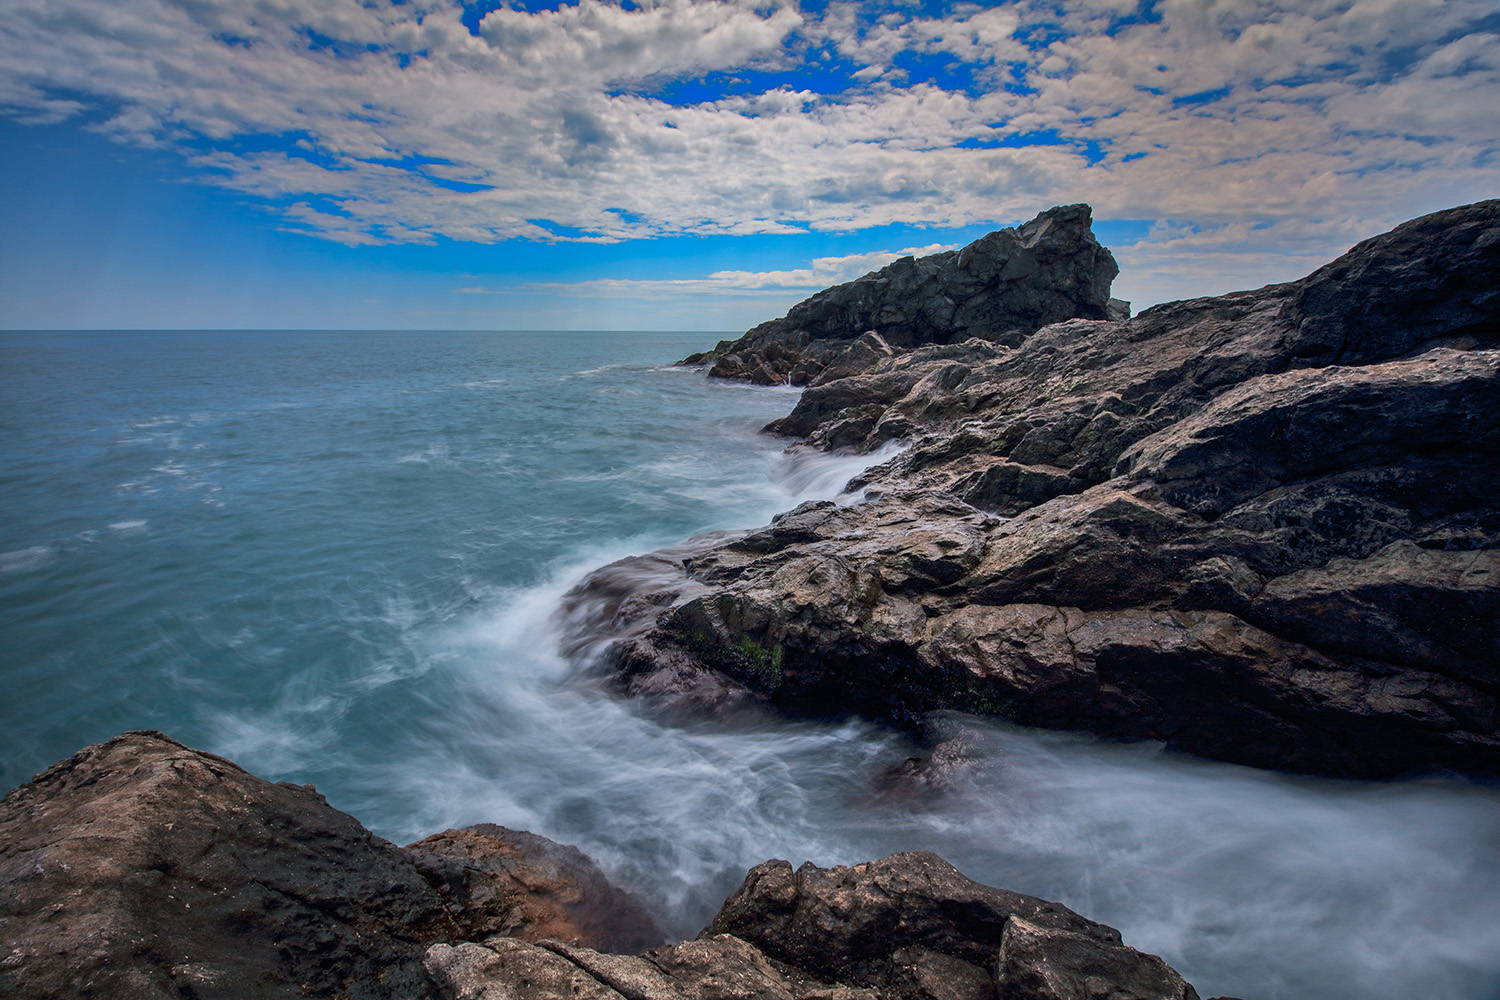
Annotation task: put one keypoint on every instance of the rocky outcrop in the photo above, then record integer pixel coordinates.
(140, 868)
(1001, 288)
(1262, 526)
(908, 927)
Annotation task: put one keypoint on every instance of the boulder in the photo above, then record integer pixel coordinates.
(908, 927)
(141, 868)
(913, 927)
(497, 881)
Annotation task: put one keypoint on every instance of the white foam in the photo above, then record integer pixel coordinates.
(26, 560)
(432, 453)
(816, 475)
(127, 525)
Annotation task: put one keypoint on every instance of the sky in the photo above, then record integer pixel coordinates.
(698, 164)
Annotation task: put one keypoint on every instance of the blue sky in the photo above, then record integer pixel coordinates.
(697, 164)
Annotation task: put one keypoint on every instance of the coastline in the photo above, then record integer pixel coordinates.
(980, 501)
(1259, 526)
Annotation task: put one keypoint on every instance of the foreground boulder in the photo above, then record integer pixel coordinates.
(140, 868)
(1263, 526)
(908, 927)
(1001, 287)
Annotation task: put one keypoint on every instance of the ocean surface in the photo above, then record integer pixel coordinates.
(338, 557)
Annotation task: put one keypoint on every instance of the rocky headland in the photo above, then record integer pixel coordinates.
(140, 869)
(1261, 526)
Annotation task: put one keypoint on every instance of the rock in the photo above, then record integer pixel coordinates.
(999, 288)
(914, 928)
(908, 927)
(510, 970)
(1054, 964)
(1248, 525)
(943, 767)
(140, 868)
(498, 881)
(1431, 282)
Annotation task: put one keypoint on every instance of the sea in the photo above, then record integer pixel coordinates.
(339, 557)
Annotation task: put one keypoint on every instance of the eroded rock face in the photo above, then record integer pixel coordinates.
(140, 869)
(999, 288)
(1262, 526)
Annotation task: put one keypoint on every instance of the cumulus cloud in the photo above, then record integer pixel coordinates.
(369, 121)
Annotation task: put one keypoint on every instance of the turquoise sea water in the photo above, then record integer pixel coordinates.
(337, 558)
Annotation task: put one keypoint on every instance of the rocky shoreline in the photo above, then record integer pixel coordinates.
(142, 869)
(1260, 526)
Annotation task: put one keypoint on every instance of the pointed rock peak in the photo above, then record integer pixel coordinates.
(1002, 288)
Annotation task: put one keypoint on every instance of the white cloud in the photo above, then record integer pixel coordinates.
(819, 273)
(370, 121)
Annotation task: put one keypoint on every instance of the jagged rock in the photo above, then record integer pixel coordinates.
(1188, 526)
(908, 927)
(141, 869)
(914, 928)
(938, 772)
(1000, 288)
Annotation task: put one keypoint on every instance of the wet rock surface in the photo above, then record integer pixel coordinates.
(140, 868)
(1262, 526)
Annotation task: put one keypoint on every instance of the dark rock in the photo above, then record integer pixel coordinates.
(913, 927)
(999, 288)
(1434, 281)
(934, 774)
(909, 927)
(1211, 534)
(141, 868)
(498, 881)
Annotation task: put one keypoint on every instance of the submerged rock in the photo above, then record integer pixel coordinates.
(1262, 526)
(1000, 288)
(140, 868)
